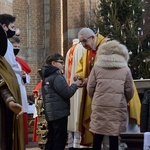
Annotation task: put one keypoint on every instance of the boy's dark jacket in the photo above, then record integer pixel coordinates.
(56, 93)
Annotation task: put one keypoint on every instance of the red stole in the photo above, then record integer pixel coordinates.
(91, 58)
(37, 88)
(25, 67)
(70, 61)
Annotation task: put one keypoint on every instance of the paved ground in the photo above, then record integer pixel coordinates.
(34, 148)
(32, 145)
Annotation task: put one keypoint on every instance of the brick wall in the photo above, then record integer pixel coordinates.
(77, 14)
(40, 24)
(6, 6)
(20, 10)
(41, 32)
(73, 19)
(30, 20)
(55, 26)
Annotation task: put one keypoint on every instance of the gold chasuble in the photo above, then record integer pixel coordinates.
(135, 106)
(83, 70)
(10, 79)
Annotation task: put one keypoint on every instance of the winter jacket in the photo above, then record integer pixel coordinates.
(145, 113)
(56, 93)
(110, 87)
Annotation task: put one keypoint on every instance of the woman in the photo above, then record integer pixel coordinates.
(110, 87)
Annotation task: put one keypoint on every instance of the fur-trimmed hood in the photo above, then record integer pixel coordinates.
(112, 54)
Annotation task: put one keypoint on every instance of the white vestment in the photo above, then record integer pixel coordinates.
(73, 120)
(75, 100)
(10, 57)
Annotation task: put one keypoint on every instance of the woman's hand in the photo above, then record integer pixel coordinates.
(84, 82)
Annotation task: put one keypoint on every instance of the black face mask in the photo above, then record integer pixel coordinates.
(10, 33)
(16, 51)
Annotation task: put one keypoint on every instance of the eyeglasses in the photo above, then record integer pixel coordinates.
(85, 40)
(60, 61)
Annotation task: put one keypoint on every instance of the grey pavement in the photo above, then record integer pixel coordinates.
(32, 145)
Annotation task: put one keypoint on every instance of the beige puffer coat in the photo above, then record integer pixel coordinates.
(110, 87)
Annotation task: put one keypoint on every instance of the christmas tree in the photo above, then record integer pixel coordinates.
(123, 20)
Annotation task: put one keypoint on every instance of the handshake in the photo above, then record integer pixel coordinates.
(79, 81)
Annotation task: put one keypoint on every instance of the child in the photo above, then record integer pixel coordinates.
(56, 98)
(110, 86)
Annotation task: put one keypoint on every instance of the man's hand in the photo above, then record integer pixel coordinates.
(16, 108)
(23, 74)
(76, 77)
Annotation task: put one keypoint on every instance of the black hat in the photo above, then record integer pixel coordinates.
(3, 41)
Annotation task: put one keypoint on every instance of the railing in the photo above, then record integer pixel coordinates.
(142, 84)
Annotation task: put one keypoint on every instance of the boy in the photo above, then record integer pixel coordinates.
(56, 98)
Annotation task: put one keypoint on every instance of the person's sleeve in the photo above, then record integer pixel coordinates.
(66, 65)
(62, 88)
(129, 90)
(91, 83)
(6, 94)
(28, 78)
(9, 56)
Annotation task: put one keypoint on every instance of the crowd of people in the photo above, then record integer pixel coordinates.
(89, 97)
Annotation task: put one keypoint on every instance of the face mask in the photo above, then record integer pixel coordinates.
(16, 51)
(10, 33)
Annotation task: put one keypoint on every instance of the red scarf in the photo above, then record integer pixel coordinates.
(37, 88)
(91, 58)
(25, 67)
(70, 62)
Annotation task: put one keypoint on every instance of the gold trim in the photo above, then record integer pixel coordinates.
(2, 82)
